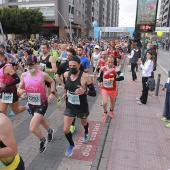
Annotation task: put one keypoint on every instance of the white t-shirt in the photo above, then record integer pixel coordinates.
(96, 58)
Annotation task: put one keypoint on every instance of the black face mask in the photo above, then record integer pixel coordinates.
(73, 70)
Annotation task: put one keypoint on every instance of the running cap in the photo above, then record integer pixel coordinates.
(75, 58)
(96, 47)
(31, 59)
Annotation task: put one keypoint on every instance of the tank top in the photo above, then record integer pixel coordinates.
(5, 161)
(45, 63)
(6, 79)
(102, 63)
(107, 74)
(96, 57)
(75, 103)
(35, 90)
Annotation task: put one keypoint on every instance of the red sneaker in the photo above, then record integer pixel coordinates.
(111, 114)
(104, 116)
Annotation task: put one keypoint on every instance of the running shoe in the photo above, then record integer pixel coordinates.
(104, 116)
(11, 113)
(139, 102)
(72, 128)
(23, 96)
(111, 114)
(58, 101)
(164, 119)
(167, 125)
(43, 145)
(50, 135)
(69, 151)
(28, 108)
(86, 138)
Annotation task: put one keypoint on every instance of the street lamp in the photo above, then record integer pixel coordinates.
(64, 22)
(2, 33)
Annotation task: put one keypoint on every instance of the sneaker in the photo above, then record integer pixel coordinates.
(101, 104)
(50, 135)
(58, 101)
(69, 151)
(28, 109)
(86, 138)
(111, 114)
(164, 119)
(167, 125)
(11, 113)
(137, 99)
(43, 145)
(104, 116)
(72, 128)
(139, 102)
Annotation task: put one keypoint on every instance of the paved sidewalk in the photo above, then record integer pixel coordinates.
(138, 139)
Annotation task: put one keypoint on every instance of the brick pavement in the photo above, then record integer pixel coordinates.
(139, 139)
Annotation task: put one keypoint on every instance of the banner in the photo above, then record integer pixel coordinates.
(146, 15)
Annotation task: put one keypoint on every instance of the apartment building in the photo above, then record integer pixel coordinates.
(60, 15)
(164, 15)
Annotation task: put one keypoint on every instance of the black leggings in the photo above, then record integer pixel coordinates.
(21, 165)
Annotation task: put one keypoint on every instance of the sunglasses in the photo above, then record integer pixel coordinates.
(29, 64)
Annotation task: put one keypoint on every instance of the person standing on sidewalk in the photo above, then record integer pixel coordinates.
(9, 156)
(147, 71)
(167, 101)
(33, 83)
(107, 83)
(48, 65)
(75, 94)
(134, 58)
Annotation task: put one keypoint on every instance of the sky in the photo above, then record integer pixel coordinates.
(127, 15)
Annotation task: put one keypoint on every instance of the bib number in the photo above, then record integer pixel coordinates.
(107, 84)
(34, 98)
(43, 65)
(73, 98)
(7, 97)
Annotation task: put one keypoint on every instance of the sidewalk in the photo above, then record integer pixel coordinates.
(138, 139)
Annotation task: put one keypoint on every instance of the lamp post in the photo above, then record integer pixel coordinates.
(2, 33)
(70, 23)
(64, 21)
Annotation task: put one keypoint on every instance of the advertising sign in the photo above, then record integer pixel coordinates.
(146, 15)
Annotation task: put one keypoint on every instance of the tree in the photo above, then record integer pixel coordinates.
(21, 20)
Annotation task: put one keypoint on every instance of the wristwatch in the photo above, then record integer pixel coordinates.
(53, 92)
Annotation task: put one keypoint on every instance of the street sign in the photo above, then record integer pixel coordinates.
(146, 14)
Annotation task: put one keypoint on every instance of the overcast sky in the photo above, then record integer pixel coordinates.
(128, 13)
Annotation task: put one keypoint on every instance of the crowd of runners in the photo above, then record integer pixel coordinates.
(32, 68)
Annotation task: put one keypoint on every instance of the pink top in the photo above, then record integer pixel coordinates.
(7, 79)
(35, 90)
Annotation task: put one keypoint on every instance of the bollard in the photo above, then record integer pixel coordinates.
(157, 85)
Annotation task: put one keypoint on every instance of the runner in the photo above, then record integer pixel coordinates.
(84, 60)
(8, 90)
(76, 100)
(94, 59)
(33, 83)
(108, 85)
(9, 156)
(48, 65)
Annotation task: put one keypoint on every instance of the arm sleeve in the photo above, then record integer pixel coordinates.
(101, 77)
(14, 82)
(132, 54)
(120, 76)
(91, 91)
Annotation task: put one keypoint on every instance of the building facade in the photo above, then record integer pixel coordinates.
(164, 15)
(60, 15)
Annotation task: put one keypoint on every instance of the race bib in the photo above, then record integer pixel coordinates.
(73, 98)
(34, 98)
(7, 97)
(107, 84)
(43, 65)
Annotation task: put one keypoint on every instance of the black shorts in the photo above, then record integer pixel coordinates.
(14, 64)
(38, 109)
(15, 97)
(96, 70)
(21, 165)
(69, 113)
(49, 85)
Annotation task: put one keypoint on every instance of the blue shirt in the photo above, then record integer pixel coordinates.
(85, 62)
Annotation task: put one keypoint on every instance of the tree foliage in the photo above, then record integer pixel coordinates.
(21, 20)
